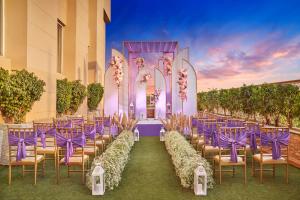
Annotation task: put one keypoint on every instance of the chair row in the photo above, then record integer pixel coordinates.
(229, 143)
(69, 142)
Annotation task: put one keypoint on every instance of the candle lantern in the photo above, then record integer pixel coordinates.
(98, 184)
(200, 181)
(136, 134)
(162, 134)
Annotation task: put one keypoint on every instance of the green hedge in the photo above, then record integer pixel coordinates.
(271, 101)
(18, 92)
(95, 94)
(63, 96)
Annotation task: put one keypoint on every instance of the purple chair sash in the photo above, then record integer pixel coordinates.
(100, 129)
(21, 144)
(233, 144)
(194, 122)
(114, 130)
(210, 133)
(90, 133)
(42, 134)
(69, 144)
(275, 142)
(106, 122)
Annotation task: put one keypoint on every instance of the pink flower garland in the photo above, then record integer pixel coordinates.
(116, 64)
(182, 83)
(167, 65)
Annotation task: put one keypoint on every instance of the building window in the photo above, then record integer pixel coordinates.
(60, 27)
(1, 27)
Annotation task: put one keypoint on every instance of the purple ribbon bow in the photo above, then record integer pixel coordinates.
(194, 122)
(100, 129)
(21, 144)
(275, 142)
(42, 134)
(233, 144)
(69, 144)
(90, 133)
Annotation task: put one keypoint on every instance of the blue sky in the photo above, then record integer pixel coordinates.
(231, 42)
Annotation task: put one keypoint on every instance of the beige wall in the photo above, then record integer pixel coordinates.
(31, 43)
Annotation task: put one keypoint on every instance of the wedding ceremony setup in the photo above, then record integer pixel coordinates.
(149, 100)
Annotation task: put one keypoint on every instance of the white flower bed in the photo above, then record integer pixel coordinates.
(186, 159)
(113, 160)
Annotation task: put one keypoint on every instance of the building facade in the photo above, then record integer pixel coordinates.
(55, 39)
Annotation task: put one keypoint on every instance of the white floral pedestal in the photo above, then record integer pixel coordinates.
(4, 140)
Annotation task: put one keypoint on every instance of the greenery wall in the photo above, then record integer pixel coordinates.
(274, 103)
(18, 92)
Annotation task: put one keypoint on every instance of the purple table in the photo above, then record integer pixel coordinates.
(151, 128)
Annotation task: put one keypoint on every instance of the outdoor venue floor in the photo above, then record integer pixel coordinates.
(149, 174)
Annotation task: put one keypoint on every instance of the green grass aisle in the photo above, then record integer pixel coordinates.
(148, 175)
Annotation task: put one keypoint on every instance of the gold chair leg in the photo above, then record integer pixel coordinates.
(273, 170)
(35, 173)
(233, 171)
(214, 167)
(9, 175)
(252, 169)
(68, 170)
(57, 170)
(245, 173)
(44, 165)
(261, 173)
(23, 170)
(287, 173)
(220, 173)
(83, 172)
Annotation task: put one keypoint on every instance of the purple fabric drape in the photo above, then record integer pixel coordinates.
(275, 141)
(90, 133)
(100, 128)
(210, 133)
(194, 122)
(107, 123)
(114, 130)
(42, 134)
(63, 125)
(21, 143)
(69, 144)
(252, 133)
(229, 142)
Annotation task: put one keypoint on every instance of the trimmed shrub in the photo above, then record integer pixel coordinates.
(63, 96)
(78, 95)
(19, 91)
(95, 94)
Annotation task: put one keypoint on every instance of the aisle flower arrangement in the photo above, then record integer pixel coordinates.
(113, 160)
(145, 78)
(186, 159)
(156, 95)
(167, 65)
(140, 62)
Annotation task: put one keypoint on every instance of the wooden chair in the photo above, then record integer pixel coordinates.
(227, 136)
(209, 126)
(48, 147)
(266, 157)
(253, 131)
(100, 141)
(76, 121)
(66, 137)
(90, 149)
(19, 139)
(62, 123)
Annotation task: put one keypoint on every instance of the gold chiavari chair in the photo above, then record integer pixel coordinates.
(280, 135)
(23, 151)
(48, 131)
(224, 157)
(107, 122)
(65, 141)
(207, 147)
(76, 121)
(198, 138)
(100, 141)
(252, 128)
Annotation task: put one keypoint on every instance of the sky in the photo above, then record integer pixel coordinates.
(231, 42)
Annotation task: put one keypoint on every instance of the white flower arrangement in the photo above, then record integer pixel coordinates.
(113, 160)
(186, 159)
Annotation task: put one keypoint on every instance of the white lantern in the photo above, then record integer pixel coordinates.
(98, 183)
(200, 181)
(136, 134)
(162, 134)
